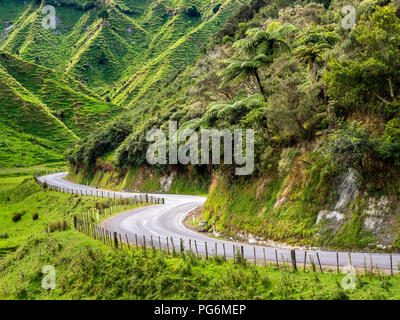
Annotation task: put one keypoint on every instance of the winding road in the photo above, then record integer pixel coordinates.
(166, 221)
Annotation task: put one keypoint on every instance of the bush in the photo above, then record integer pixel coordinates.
(350, 145)
(193, 12)
(35, 216)
(216, 8)
(57, 226)
(17, 216)
(4, 235)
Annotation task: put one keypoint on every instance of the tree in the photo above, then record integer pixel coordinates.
(254, 52)
(103, 14)
(193, 12)
(311, 55)
(350, 146)
(379, 39)
(372, 78)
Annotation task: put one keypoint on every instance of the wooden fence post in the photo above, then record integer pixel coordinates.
(144, 244)
(391, 264)
(173, 246)
(265, 260)
(305, 261)
(293, 256)
(205, 242)
(371, 266)
(337, 262)
(197, 251)
(276, 258)
(115, 240)
(120, 240)
(182, 248)
(223, 246)
(167, 246)
(242, 252)
(319, 262)
(255, 258)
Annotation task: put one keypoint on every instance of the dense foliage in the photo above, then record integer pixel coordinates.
(292, 74)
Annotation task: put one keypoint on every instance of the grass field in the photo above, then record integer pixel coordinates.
(87, 269)
(27, 199)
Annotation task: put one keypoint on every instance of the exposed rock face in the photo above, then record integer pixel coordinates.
(348, 191)
(165, 182)
(377, 214)
(325, 214)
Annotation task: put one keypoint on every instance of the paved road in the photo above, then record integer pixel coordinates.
(166, 220)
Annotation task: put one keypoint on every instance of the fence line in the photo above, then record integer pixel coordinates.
(86, 223)
(90, 192)
(171, 246)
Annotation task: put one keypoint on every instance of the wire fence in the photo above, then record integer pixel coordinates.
(91, 192)
(89, 224)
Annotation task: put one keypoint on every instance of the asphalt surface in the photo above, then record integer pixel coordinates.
(166, 221)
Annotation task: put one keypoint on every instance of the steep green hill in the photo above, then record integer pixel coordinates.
(132, 45)
(324, 105)
(118, 48)
(43, 112)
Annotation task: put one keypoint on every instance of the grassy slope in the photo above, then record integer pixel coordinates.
(76, 106)
(139, 45)
(87, 269)
(144, 180)
(181, 49)
(42, 112)
(32, 134)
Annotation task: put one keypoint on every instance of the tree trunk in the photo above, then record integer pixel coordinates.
(259, 82)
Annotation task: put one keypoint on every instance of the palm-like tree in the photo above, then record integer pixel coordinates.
(259, 50)
(312, 56)
(240, 68)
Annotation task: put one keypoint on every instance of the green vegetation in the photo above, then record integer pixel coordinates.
(119, 49)
(27, 209)
(143, 179)
(43, 112)
(88, 269)
(313, 92)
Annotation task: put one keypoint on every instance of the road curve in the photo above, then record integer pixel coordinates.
(166, 221)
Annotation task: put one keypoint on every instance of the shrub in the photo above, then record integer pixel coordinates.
(35, 216)
(216, 8)
(4, 235)
(349, 145)
(57, 226)
(193, 12)
(17, 216)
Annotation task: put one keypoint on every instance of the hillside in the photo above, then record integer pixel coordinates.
(119, 48)
(43, 112)
(323, 102)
